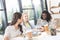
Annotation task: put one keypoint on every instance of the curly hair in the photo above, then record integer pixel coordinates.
(48, 15)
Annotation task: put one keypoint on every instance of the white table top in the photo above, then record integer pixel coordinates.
(43, 36)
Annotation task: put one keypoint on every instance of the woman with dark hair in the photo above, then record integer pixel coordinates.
(45, 19)
(15, 29)
(46, 16)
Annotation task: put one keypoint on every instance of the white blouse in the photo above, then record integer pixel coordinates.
(26, 29)
(11, 32)
(51, 23)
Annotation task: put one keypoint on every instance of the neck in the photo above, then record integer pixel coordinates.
(16, 26)
(25, 21)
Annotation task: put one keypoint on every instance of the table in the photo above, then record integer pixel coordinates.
(43, 36)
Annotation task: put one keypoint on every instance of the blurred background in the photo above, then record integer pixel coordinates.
(33, 7)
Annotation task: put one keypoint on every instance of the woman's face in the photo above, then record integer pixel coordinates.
(25, 17)
(44, 16)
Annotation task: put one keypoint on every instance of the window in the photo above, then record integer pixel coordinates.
(27, 7)
(44, 5)
(11, 6)
(34, 8)
(1, 10)
(30, 13)
(38, 7)
(1, 23)
(26, 4)
(0, 19)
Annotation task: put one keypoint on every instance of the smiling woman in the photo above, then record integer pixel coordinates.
(15, 29)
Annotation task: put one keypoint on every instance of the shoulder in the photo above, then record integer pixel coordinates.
(31, 22)
(8, 28)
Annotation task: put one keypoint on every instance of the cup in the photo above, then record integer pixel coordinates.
(29, 35)
(46, 28)
(53, 32)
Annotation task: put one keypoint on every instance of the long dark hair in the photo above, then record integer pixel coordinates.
(16, 16)
(48, 15)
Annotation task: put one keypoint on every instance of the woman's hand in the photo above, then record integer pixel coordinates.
(29, 35)
(42, 29)
(6, 38)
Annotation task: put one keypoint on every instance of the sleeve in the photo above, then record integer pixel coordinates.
(32, 24)
(7, 32)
